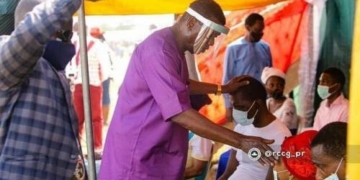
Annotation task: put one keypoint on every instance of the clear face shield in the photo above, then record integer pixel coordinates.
(207, 34)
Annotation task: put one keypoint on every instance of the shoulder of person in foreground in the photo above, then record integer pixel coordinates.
(279, 132)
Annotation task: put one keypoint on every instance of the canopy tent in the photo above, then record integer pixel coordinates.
(121, 7)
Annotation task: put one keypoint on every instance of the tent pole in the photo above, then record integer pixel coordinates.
(353, 140)
(86, 94)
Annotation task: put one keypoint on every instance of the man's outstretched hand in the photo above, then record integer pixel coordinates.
(250, 143)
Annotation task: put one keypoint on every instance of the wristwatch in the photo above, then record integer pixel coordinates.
(219, 90)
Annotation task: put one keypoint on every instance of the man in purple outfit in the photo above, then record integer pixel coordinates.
(147, 138)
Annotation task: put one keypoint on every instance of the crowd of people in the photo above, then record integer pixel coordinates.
(156, 131)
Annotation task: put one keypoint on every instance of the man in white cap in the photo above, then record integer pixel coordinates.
(278, 104)
(38, 125)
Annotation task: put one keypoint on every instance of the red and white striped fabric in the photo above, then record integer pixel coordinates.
(98, 62)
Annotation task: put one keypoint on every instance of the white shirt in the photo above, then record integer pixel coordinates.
(253, 170)
(98, 63)
(286, 113)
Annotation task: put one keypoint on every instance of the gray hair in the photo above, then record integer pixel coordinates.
(23, 8)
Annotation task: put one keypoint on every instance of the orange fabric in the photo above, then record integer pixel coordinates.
(282, 32)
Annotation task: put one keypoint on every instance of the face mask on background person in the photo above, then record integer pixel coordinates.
(334, 176)
(256, 37)
(241, 117)
(277, 94)
(323, 91)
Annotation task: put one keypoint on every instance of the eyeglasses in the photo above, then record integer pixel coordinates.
(64, 35)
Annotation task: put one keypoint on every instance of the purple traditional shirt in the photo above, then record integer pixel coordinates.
(142, 142)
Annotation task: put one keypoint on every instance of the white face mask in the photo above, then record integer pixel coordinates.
(323, 91)
(334, 176)
(241, 117)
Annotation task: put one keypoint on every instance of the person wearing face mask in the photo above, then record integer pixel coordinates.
(148, 134)
(38, 124)
(328, 149)
(248, 55)
(278, 104)
(291, 167)
(254, 119)
(334, 106)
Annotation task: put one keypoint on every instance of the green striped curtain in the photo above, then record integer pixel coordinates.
(7, 8)
(337, 43)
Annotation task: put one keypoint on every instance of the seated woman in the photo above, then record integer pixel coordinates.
(278, 104)
(254, 119)
(291, 166)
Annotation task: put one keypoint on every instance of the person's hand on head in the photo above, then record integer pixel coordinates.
(249, 142)
(235, 83)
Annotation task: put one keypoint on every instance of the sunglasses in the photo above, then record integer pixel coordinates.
(64, 35)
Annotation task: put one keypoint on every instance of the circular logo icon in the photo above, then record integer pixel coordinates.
(254, 154)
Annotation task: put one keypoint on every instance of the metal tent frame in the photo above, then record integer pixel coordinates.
(86, 94)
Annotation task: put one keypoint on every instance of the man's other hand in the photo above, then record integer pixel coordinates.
(250, 142)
